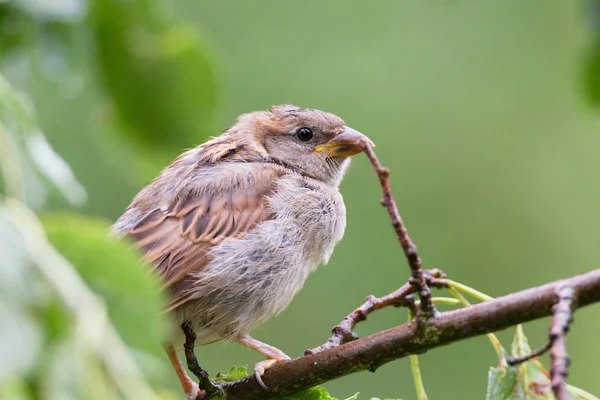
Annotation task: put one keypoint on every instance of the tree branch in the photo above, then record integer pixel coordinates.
(562, 317)
(371, 352)
(417, 280)
(343, 333)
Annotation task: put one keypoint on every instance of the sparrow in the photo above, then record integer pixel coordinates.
(235, 226)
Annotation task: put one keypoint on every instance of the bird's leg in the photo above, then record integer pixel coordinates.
(273, 355)
(213, 390)
(189, 386)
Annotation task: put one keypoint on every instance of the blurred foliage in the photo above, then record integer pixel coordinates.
(32, 155)
(58, 337)
(472, 105)
(129, 292)
(158, 73)
(592, 68)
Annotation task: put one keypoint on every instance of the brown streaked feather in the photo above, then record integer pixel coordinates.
(177, 242)
(177, 236)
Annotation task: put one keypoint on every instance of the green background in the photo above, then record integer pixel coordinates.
(477, 107)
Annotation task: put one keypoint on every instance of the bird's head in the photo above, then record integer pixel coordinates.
(315, 142)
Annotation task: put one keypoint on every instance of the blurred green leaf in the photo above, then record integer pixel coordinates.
(592, 75)
(52, 10)
(15, 389)
(73, 372)
(115, 272)
(14, 28)
(21, 340)
(83, 355)
(592, 67)
(159, 74)
(20, 332)
(29, 164)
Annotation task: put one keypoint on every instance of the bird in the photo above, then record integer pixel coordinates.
(234, 226)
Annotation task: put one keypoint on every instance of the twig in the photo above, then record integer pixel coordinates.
(343, 333)
(213, 390)
(535, 353)
(370, 352)
(414, 366)
(410, 249)
(562, 317)
(492, 337)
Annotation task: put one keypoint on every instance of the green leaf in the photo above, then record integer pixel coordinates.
(315, 393)
(526, 381)
(234, 374)
(158, 73)
(533, 380)
(501, 382)
(114, 271)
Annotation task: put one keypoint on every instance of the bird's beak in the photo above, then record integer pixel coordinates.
(345, 144)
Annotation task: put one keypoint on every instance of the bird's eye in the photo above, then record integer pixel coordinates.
(304, 134)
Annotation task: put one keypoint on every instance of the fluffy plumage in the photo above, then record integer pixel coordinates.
(235, 226)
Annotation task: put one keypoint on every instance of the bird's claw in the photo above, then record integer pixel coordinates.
(261, 366)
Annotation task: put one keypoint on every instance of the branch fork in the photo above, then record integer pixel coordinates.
(562, 318)
(417, 279)
(345, 353)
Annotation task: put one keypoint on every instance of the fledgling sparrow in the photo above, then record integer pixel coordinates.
(236, 225)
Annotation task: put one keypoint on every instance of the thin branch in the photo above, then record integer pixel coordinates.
(410, 249)
(562, 317)
(213, 390)
(371, 352)
(535, 353)
(343, 333)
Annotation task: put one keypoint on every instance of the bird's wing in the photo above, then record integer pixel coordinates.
(177, 237)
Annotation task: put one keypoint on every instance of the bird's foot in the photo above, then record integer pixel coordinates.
(191, 391)
(273, 355)
(261, 366)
